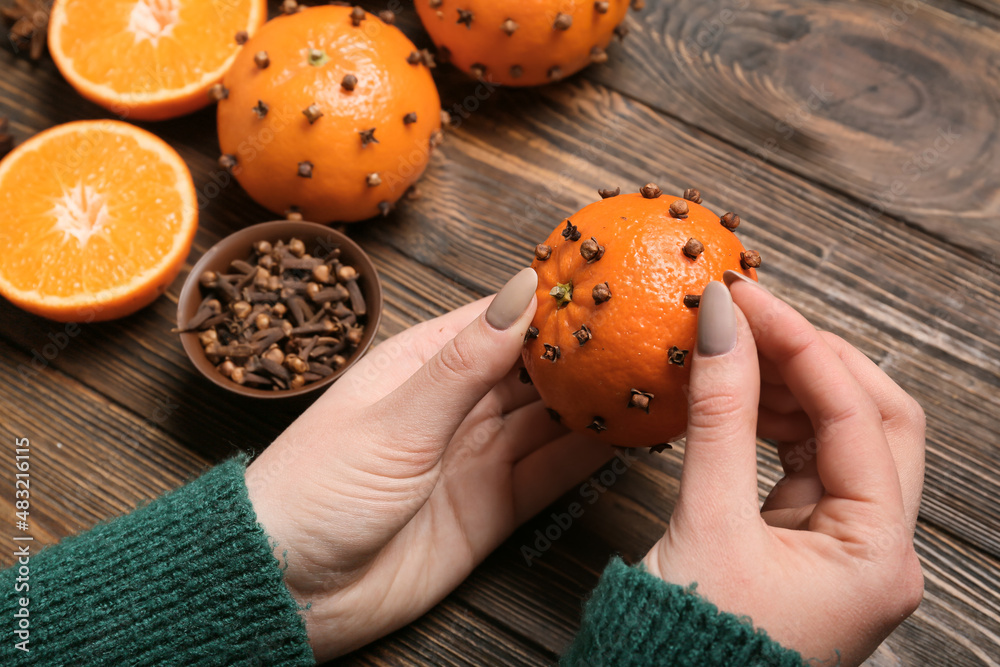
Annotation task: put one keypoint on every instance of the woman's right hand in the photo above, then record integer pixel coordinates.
(827, 565)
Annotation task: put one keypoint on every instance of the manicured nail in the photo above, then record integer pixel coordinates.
(731, 277)
(511, 301)
(716, 321)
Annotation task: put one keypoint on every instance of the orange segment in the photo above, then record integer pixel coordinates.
(99, 217)
(149, 59)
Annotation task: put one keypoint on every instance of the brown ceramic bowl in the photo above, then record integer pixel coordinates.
(239, 246)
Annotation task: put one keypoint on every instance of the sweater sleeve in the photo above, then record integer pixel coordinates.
(188, 579)
(634, 619)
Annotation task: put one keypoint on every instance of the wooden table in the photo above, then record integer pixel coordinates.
(860, 142)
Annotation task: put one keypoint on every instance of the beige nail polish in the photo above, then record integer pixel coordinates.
(716, 321)
(731, 277)
(510, 302)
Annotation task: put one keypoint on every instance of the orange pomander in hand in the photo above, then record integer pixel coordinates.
(619, 284)
(520, 43)
(330, 112)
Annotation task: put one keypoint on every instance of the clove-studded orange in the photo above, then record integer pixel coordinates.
(517, 43)
(619, 284)
(329, 111)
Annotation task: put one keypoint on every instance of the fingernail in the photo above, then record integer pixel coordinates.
(731, 277)
(511, 301)
(716, 321)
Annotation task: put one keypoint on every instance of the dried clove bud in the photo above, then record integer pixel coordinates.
(289, 7)
(226, 368)
(357, 16)
(242, 37)
(597, 425)
(261, 59)
(510, 26)
(368, 137)
(601, 293)
(601, 7)
(208, 279)
(349, 82)
(679, 209)
(692, 195)
(583, 334)
(373, 180)
(261, 109)
(730, 221)
(465, 17)
(650, 191)
(562, 22)
(692, 300)
(542, 252)
(750, 259)
(530, 334)
(656, 449)
(409, 118)
(675, 355)
(312, 113)
(552, 353)
(640, 399)
(555, 73)
(414, 58)
(478, 70)
(218, 92)
(571, 233)
(296, 247)
(305, 169)
(591, 250)
(385, 208)
(208, 337)
(388, 16)
(598, 55)
(241, 309)
(693, 248)
(227, 162)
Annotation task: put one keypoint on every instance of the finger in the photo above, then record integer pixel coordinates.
(427, 409)
(902, 416)
(388, 365)
(783, 428)
(543, 476)
(778, 398)
(853, 457)
(511, 394)
(528, 429)
(719, 479)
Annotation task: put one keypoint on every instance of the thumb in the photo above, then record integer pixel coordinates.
(428, 408)
(719, 480)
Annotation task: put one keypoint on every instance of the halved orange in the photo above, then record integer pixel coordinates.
(149, 59)
(98, 218)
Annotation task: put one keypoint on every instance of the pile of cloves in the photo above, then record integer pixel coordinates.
(282, 318)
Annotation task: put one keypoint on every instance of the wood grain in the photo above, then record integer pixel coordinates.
(895, 104)
(915, 289)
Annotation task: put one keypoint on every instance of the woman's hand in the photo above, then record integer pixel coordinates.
(410, 469)
(827, 566)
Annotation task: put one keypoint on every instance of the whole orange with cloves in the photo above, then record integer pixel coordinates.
(330, 112)
(619, 285)
(519, 43)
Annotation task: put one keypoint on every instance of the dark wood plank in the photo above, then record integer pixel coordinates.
(894, 103)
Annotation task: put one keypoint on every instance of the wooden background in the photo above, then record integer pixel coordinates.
(858, 139)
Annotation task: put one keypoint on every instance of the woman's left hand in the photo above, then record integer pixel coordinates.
(418, 462)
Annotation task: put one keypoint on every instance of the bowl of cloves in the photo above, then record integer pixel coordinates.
(279, 309)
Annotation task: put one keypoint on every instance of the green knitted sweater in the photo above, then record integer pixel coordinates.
(190, 579)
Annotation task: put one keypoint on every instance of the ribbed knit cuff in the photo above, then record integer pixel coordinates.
(188, 579)
(634, 619)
